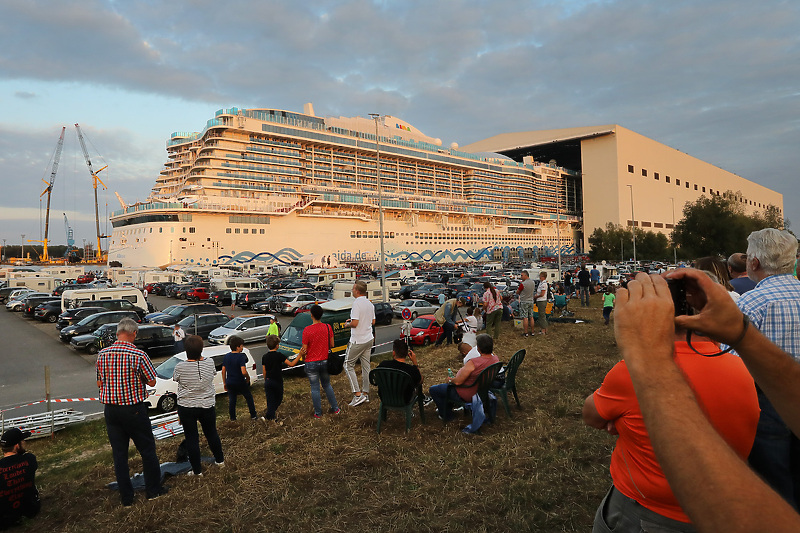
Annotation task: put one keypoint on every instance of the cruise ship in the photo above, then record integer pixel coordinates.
(270, 187)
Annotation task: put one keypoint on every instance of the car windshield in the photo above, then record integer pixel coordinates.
(235, 323)
(188, 321)
(173, 310)
(293, 336)
(166, 369)
(168, 309)
(421, 323)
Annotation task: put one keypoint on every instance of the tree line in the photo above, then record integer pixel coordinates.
(711, 225)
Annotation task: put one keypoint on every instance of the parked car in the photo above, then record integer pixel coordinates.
(6, 292)
(117, 304)
(73, 316)
(383, 313)
(48, 311)
(92, 322)
(249, 327)
(203, 324)
(164, 394)
(156, 341)
(17, 302)
(174, 313)
(173, 291)
(197, 294)
(31, 302)
(58, 291)
(246, 300)
(287, 303)
(615, 280)
(415, 307)
(220, 298)
(424, 330)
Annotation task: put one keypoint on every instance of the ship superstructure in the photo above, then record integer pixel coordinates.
(273, 186)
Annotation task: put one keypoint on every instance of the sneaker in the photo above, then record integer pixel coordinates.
(427, 400)
(524, 334)
(358, 400)
(315, 415)
(191, 473)
(220, 464)
(161, 492)
(334, 411)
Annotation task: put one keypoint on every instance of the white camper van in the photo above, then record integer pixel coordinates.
(237, 284)
(345, 289)
(329, 276)
(39, 284)
(74, 298)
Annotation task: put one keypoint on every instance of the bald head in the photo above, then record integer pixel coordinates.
(737, 264)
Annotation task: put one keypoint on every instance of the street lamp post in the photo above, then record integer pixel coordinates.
(3, 255)
(375, 117)
(558, 232)
(674, 248)
(633, 225)
(22, 250)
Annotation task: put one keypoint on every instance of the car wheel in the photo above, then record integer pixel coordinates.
(92, 349)
(426, 341)
(413, 315)
(167, 403)
(52, 319)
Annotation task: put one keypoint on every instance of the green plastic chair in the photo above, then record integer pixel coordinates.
(510, 383)
(392, 386)
(484, 382)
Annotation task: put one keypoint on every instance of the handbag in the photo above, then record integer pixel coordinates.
(335, 362)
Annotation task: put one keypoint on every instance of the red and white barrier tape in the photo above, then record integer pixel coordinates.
(54, 400)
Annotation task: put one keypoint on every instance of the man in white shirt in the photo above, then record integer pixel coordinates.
(362, 318)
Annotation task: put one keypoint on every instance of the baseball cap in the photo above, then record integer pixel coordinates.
(13, 436)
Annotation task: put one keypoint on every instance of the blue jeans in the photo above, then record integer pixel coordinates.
(233, 394)
(447, 333)
(440, 393)
(273, 389)
(317, 372)
(621, 514)
(776, 453)
(584, 294)
(123, 424)
(207, 416)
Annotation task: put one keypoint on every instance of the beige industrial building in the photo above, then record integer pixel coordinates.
(628, 178)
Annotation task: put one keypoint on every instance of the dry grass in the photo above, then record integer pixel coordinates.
(542, 470)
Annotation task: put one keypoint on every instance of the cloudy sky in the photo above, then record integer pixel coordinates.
(716, 79)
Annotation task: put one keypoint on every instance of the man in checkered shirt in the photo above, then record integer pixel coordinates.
(122, 373)
(774, 308)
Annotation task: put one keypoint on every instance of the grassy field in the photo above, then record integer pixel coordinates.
(542, 470)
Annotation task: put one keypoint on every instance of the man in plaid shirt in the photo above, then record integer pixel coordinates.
(773, 306)
(122, 373)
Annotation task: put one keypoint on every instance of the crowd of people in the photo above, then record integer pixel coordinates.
(703, 403)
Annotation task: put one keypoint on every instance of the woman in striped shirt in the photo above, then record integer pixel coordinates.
(197, 401)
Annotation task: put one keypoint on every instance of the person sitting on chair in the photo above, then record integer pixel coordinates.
(467, 374)
(401, 353)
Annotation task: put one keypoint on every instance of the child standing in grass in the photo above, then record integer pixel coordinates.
(272, 366)
(608, 303)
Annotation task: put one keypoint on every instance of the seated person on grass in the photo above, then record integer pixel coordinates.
(401, 354)
(466, 375)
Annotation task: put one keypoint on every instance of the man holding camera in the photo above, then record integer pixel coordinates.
(640, 493)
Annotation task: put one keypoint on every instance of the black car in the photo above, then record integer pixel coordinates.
(32, 302)
(203, 324)
(172, 291)
(174, 313)
(154, 340)
(246, 300)
(220, 298)
(92, 322)
(72, 316)
(383, 313)
(48, 311)
(58, 291)
(118, 304)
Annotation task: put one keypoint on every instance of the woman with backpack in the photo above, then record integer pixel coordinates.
(493, 307)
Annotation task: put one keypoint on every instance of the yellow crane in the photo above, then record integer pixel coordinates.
(95, 180)
(48, 191)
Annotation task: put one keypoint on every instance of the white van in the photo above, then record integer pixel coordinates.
(552, 274)
(40, 284)
(74, 298)
(329, 276)
(164, 394)
(237, 284)
(345, 289)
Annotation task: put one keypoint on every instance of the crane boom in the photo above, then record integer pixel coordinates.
(49, 191)
(95, 181)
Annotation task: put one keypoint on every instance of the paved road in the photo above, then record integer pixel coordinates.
(28, 345)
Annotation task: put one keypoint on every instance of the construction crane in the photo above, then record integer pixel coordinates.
(95, 181)
(48, 191)
(70, 238)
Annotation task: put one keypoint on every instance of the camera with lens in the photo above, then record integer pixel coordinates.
(677, 288)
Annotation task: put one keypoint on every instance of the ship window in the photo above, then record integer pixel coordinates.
(184, 229)
(630, 169)
(227, 230)
(244, 231)
(644, 172)
(704, 189)
(238, 230)
(655, 175)
(695, 186)
(172, 230)
(261, 231)
(666, 179)
(677, 182)
(191, 230)
(160, 230)
(151, 230)
(687, 184)
(352, 234)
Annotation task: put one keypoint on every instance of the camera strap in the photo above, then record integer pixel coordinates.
(745, 323)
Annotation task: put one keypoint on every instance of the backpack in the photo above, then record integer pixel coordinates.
(439, 313)
(335, 362)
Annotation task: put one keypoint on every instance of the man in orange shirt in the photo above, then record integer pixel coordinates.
(640, 494)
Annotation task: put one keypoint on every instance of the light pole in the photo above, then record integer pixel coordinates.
(558, 231)
(3, 255)
(375, 117)
(633, 225)
(674, 248)
(22, 250)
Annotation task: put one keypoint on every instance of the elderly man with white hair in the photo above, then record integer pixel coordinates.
(774, 308)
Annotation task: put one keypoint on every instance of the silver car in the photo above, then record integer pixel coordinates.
(251, 328)
(416, 307)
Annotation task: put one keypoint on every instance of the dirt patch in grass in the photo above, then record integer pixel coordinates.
(541, 470)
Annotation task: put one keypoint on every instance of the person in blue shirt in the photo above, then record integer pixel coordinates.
(235, 377)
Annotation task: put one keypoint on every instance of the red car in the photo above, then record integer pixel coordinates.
(197, 294)
(85, 278)
(424, 330)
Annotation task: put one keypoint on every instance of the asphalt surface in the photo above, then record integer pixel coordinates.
(28, 346)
